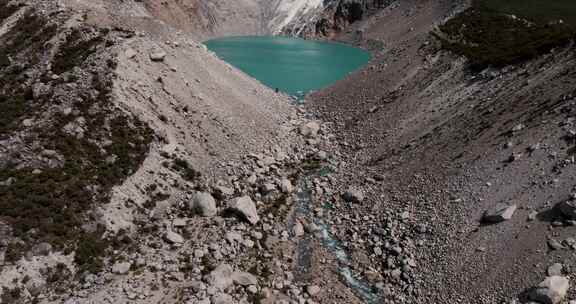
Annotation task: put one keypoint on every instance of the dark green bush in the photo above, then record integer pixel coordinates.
(89, 252)
(491, 38)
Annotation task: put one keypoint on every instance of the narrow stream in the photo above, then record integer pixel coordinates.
(304, 203)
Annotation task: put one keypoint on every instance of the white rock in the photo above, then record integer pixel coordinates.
(233, 236)
(555, 269)
(499, 213)
(551, 291)
(244, 278)
(286, 186)
(310, 129)
(245, 207)
(313, 290)
(298, 229)
(179, 222)
(158, 56)
(221, 277)
(204, 204)
(130, 53)
(121, 267)
(174, 237)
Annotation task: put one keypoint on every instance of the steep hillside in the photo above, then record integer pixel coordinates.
(436, 143)
(113, 121)
(322, 19)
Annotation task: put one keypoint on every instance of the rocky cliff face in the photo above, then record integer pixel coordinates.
(325, 19)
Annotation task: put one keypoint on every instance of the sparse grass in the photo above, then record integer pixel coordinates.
(7, 9)
(491, 38)
(12, 109)
(28, 36)
(75, 50)
(186, 170)
(4, 60)
(91, 247)
(541, 11)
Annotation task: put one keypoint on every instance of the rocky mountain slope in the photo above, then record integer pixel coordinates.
(440, 146)
(113, 118)
(137, 167)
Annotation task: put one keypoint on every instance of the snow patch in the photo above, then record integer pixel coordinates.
(288, 10)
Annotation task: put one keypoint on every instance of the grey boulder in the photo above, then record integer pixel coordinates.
(551, 291)
(245, 208)
(499, 213)
(204, 204)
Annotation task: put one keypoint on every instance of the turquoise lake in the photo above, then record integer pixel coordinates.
(294, 66)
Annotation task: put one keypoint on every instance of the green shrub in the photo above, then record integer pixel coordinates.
(491, 38)
(89, 252)
(75, 51)
(186, 170)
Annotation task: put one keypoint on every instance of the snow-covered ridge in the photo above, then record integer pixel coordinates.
(286, 11)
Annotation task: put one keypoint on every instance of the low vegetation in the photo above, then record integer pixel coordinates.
(490, 37)
(53, 204)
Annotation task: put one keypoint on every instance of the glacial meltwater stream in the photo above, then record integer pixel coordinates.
(298, 67)
(294, 66)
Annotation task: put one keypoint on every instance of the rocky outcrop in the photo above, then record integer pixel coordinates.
(330, 17)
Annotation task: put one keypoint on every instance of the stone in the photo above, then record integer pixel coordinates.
(204, 204)
(518, 127)
(173, 237)
(267, 188)
(224, 191)
(179, 222)
(298, 229)
(130, 53)
(244, 278)
(321, 155)
(551, 291)
(221, 277)
(121, 267)
(555, 245)
(499, 213)
(252, 289)
(353, 195)
(286, 186)
(158, 56)
(310, 129)
(555, 269)
(233, 237)
(246, 208)
(313, 290)
(568, 208)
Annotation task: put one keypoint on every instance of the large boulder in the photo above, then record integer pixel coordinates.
(568, 209)
(157, 56)
(245, 208)
(203, 203)
(551, 291)
(499, 213)
(221, 277)
(121, 267)
(310, 129)
(173, 237)
(244, 278)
